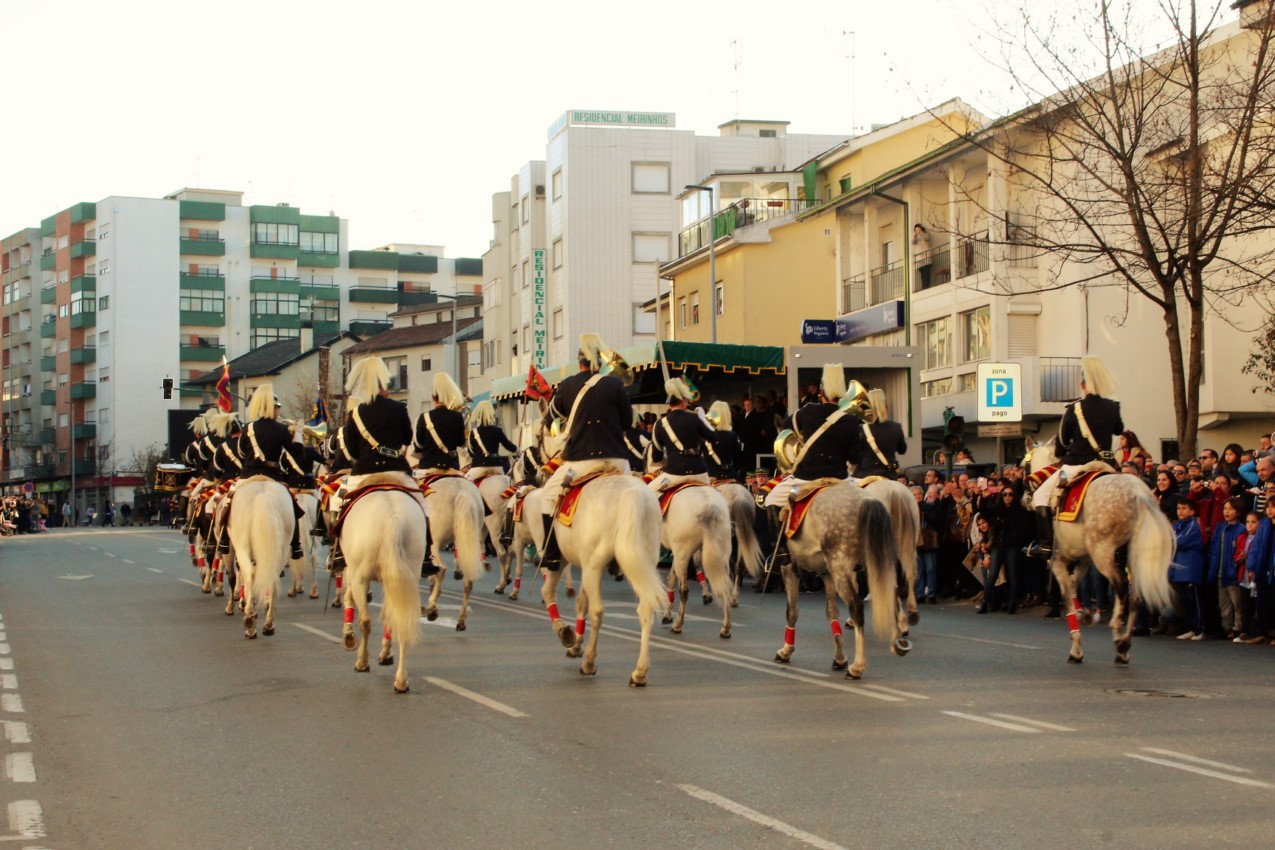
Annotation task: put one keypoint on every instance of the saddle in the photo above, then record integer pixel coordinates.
(799, 502)
(478, 482)
(430, 479)
(567, 510)
(1073, 498)
(722, 482)
(666, 497)
(870, 480)
(363, 491)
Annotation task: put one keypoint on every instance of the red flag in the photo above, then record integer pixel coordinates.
(538, 388)
(224, 402)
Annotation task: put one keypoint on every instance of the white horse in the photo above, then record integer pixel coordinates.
(617, 518)
(455, 510)
(844, 527)
(1118, 511)
(490, 488)
(307, 565)
(905, 519)
(748, 556)
(383, 538)
(697, 527)
(260, 531)
(529, 530)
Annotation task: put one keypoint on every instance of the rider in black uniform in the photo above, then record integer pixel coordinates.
(725, 448)
(888, 437)
(262, 445)
(680, 437)
(440, 433)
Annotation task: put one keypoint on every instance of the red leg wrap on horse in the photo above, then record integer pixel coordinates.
(385, 633)
(339, 582)
(201, 562)
(553, 611)
(192, 550)
(580, 626)
(349, 616)
(670, 597)
(517, 584)
(699, 576)
(836, 627)
(790, 636)
(1073, 623)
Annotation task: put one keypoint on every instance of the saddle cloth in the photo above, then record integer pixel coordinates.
(363, 491)
(666, 497)
(801, 500)
(722, 482)
(1074, 496)
(871, 479)
(566, 513)
(431, 478)
(1038, 477)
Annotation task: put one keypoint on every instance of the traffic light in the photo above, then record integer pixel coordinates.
(168, 388)
(953, 431)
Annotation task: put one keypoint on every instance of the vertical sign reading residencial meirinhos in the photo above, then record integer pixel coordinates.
(538, 311)
(613, 118)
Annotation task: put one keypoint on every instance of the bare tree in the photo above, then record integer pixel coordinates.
(1150, 168)
(143, 462)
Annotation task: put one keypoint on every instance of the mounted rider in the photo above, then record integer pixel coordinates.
(724, 449)
(1084, 445)
(883, 441)
(262, 445)
(597, 411)
(440, 434)
(637, 442)
(486, 439)
(374, 438)
(679, 437)
(198, 456)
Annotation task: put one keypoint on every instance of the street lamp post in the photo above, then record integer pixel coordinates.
(455, 343)
(712, 260)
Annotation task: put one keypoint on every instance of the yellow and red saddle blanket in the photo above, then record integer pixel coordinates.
(1038, 477)
(719, 483)
(797, 507)
(567, 511)
(430, 479)
(1074, 496)
(666, 496)
(358, 494)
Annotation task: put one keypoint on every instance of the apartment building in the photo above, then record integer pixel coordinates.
(579, 236)
(133, 290)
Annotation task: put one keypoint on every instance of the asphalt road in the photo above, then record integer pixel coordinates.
(136, 715)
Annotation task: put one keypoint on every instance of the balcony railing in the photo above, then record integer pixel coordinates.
(887, 283)
(1060, 378)
(1020, 256)
(972, 255)
(854, 294)
(739, 214)
(933, 268)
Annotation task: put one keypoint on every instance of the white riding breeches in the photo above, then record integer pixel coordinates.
(577, 469)
(663, 481)
(476, 472)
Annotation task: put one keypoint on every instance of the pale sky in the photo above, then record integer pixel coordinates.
(405, 117)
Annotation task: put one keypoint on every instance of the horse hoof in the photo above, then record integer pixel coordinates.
(567, 636)
(230, 612)
(1122, 658)
(724, 634)
(348, 640)
(431, 614)
(250, 635)
(634, 683)
(336, 603)
(666, 619)
(914, 617)
(708, 600)
(571, 592)
(386, 661)
(460, 627)
(513, 597)
(219, 593)
(840, 665)
(363, 669)
(402, 690)
(205, 590)
(575, 652)
(267, 630)
(677, 630)
(500, 591)
(620, 577)
(593, 672)
(734, 603)
(291, 593)
(456, 574)
(779, 659)
(901, 646)
(1071, 659)
(314, 595)
(852, 674)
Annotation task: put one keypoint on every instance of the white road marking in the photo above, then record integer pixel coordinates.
(191, 583)
(758, 818)
(312, 630)
(3, 636)
(152, 569)
(74, 578)
(4, 648)
(127, 561)
(11, 703)
(19, 767)
(1196, 760)
(6, 663)
(1033, 722)
(1013, 727)
(16, 732)
(1239, 780)
(984, 640)
(166, 551)
(886, 690)
(8, 681)
(478, 698)
(26, 820)
(108, 554)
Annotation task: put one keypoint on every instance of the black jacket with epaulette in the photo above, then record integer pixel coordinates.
(485, 443)
(226, 462)
(688, 430)
(387, 422)
(722, 453)
(835, 448)
(635, 442)
(334, 450)
(299, 465)
(449, 425)
(889, 437)
(597, 431)
(1103, 417)
(260, 447)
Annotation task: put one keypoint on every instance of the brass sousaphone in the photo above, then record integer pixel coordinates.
(788, 443)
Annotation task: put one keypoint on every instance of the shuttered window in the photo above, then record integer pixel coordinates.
(1022, 335)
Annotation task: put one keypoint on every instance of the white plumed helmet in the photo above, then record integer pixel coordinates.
(834, 381)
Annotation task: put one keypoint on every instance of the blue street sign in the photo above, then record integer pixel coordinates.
(815, 331)
(872, 320)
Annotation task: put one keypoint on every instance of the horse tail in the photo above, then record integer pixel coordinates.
(907, 532)
(637, 546)
(743, 511)
(399, 568)
(468, 518)
(1151, 551)
(880, 555)
(271, 537)
(715, 549)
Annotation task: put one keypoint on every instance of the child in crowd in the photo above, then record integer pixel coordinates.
(1186, 574)
(1223, 568)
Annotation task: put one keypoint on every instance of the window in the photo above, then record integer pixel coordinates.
(269, 233)
(681, 309)
(721, 299)
(650, 178)
(942, 386)
(82, 302)
(426, 364)
(62, 420)
(103, 337)
(557, 184)
(513, 217)
(767, 134)
(201, 301)
(643, 321)
(557, 253)
(320, 311)
(526, 273)
(320, 243)
(104, 375)
(526, 209)
(967, 382)
(557, 323)
(276, 304)
(526, 338)
(694, 308)
(650, 248)
(104, 303)
(976, 334)
(261, 336)
(63, 311)
(935, 340)
(63, 379)
(103, 415)
(398, 373)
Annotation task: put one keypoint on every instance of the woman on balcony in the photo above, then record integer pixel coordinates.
(921, 254)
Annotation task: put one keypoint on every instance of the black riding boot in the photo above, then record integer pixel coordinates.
(551, 557)
(320, 526)
(1043, 546)
(776, 526)
(336, 558)
(297, 552)
(428, 567)
(507, 528)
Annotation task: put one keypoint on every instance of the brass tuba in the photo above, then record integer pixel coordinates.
(617, 366)
(715, 419)
(786, 447)
(856, 401)
(314, 435)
